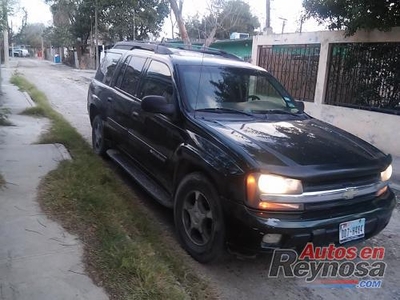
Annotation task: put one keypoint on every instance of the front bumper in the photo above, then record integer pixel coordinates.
(246, 227)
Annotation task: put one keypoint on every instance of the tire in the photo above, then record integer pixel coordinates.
(98, 140)
(199, 218)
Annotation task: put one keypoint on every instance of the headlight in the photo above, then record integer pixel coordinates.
(258, 184)
(385, 175)
(273, 184)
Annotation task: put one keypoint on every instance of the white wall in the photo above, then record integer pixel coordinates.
(379, 129)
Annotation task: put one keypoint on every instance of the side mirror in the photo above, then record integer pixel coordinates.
(300, 105)
(158, 105)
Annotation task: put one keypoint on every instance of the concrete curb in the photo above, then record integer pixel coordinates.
(29, 99)
(63, 151)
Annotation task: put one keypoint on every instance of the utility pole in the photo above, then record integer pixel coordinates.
(283, 23)
(134, 25)
(268, 28)
(96, 35)
(268, 14)
(5, 34)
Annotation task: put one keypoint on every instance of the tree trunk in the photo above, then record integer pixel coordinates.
(210, 37)
(179, 20)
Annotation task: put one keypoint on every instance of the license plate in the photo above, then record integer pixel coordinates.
(351, 230)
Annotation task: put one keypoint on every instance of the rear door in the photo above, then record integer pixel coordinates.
(125, 98)
(101, 92)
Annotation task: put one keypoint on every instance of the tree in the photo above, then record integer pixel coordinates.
(58, 37)
(223, 18)
(71, 18)
(177, 9)
(236, 17)
(118, 19)
(195, 28)
(30, 34)
(6, 9)
(353, 15)
(133, 19)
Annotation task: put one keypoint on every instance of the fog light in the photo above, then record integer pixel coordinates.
(270, 238)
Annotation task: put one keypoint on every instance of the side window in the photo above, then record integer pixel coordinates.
(107, 67)
(158, 81)
(132, 75)
(121, 73)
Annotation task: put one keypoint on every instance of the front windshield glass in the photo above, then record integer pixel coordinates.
(210, 88)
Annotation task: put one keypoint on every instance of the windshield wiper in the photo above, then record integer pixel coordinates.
(278, 111)
(222, 110)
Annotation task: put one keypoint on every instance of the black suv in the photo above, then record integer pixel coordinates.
(223, 143)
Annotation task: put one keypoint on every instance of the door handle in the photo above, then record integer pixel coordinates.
(135, 115)
(109, 99)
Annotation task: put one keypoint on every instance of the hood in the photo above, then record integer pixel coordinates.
(298, 143)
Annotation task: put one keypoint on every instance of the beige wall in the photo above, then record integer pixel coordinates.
(379, 129)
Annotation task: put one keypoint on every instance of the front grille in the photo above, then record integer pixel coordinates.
(340, 183)
(328, 205)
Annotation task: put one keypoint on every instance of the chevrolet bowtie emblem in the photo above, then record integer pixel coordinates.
(350, 193)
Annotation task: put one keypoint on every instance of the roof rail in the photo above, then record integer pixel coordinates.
(165, 48)
(203, 49)
(130, 45)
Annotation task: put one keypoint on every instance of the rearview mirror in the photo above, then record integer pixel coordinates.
(158, 105)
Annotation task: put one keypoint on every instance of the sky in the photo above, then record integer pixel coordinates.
(39, 12)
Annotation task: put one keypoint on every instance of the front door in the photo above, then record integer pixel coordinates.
(158, 135)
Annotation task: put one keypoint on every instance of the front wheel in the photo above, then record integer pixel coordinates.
(98, 141)
(199, 218)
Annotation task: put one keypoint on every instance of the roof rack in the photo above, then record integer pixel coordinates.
(130, 45)
(203, 49)
(165, 48)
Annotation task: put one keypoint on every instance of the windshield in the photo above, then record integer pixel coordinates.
(215, 88)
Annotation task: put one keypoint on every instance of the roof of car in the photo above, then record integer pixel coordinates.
(182, 55)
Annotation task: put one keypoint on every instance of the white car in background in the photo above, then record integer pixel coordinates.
(21, 53)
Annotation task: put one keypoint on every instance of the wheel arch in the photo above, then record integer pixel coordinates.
(190, 162)
(93, 112)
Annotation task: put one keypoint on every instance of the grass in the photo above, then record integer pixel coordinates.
(35, 111)
(4, 112)
(125, 251)
(2, 182)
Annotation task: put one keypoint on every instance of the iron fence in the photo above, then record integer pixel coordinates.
(365, 76)
(295, 66)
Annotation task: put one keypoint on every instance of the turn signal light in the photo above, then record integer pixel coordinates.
(280, 206)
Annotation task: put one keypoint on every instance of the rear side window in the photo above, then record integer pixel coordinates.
(158, 81)
(131, 75)
(121, 73)
(107, 67)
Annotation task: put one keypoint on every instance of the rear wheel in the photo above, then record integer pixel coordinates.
(199, 218)
(98, 141)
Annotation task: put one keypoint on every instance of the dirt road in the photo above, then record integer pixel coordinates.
(235, 278)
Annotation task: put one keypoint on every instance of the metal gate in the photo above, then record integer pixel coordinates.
(295, 66)
(365, 76)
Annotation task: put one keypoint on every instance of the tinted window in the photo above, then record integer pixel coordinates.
(121, 73)
(132, 75)
(107, 67)
(236, 88)
(158, 81)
